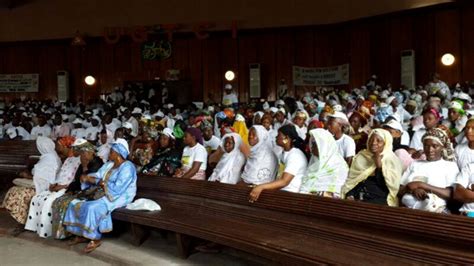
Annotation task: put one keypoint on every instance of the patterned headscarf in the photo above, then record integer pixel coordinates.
(85, 147)
(442, 138)
(434, 112)
(66, 141)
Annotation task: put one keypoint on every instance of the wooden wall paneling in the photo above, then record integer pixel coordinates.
(304, 53)
(372, 46)
(400, 29)
(266, 55)
(122, 59)
(229, 61)
(448, 38)
(51, 59)
(91, 66)
(212, 82)
(424, 43)
(181, 57)
(359, 55)
(467, 43)
(196, 68)
(285, 56)
(136, 63)
(247, 55)
(380, 47)
(107, 75)
(74, 64)
(323, 48)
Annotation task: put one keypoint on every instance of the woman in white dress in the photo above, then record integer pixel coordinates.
(261, 165)
(18, 197)
(230, 165)
(40, 218)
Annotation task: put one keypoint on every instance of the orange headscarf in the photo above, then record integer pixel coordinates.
(67, 141)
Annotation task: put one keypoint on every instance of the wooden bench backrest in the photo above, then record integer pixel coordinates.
(452, 229)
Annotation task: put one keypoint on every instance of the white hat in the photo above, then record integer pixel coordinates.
(455, 105)
(228, 87)
(279, 102)
(282, 110)
(273, 109)
(96, 118)
(136, 110)
(127, 125)
(65, 117)
(170, 105)
(340, 115)
(159, 114)
(147, 117)
(77, 121)
(168, 132)
(390, 99)
(394, 124)
(210, 108)
(463, 96)
(266, 106)
(87, 112)
(240, 118)
(79, 142)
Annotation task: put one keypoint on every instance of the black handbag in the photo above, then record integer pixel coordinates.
(92, 193)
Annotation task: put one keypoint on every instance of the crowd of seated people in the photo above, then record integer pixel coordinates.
(411, 148)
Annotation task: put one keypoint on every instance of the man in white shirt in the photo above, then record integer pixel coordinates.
(230, 98)
(280, 119)
(60, 129)
(127, 115)
(336, 124)
(211, 142)
(438, 86)
(42, 129)
(108, 124)
(399, 112)
(93, 130)
(78, 132)
(17, 132)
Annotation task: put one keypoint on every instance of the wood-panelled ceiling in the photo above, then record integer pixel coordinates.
(54, 19)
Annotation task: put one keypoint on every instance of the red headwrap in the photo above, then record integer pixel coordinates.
(67, 141)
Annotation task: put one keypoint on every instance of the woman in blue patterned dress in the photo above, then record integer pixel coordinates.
(88, 219)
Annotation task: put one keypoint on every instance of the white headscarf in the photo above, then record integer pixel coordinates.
(45, 170)
(329, 170)
(261, 166)
(230, 165)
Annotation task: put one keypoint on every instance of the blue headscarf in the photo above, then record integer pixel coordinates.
(383, 112)
(120, 149)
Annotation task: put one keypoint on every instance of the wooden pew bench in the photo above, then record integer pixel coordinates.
(15, 156)
(290, 228)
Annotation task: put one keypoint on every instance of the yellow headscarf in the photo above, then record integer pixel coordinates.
(363, 166)
(241, 128)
